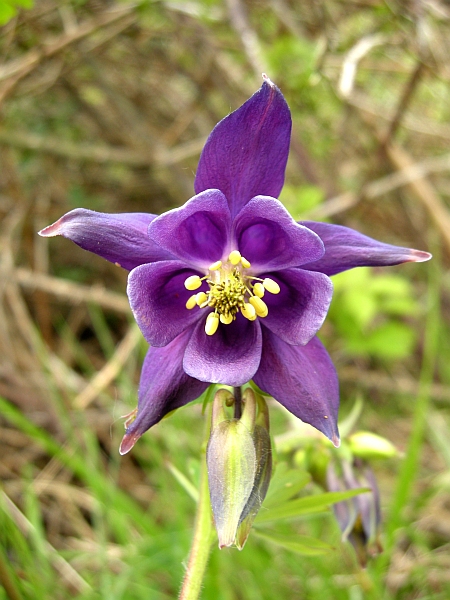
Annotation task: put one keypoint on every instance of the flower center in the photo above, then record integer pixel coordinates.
(231, 290)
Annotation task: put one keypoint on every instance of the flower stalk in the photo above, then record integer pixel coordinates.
(203, 534)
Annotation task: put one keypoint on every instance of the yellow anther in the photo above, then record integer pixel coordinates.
(193, 282)
(226, 319)
(192, 301)
(248, 311)
(245, 263)
(271, 286)
(200, 298)
(259, 305)
(215, 266)
(234, 257)
(258, 290)
(212, 323)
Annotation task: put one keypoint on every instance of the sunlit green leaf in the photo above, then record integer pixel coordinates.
(302, 544)
(285, 485)
(308, 505)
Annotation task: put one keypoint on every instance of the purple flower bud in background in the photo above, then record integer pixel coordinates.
(360, 517)
(229, 288)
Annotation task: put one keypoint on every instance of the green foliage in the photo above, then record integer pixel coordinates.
(369, 311)
(299, 200)
(9, 8)
(294, 56)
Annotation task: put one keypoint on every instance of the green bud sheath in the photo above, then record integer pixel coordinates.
(239, 462)
(261, 441)
(232, 466)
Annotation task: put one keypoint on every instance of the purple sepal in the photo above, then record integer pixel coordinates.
(346, 248)
(120, 238)
(303, 379)
(267, 235)
(231, 356)
(164, 386)
(246, 153)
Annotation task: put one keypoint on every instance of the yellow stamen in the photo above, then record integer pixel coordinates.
(192, 301)
(193, 282)
(260, 306)
(231, 289)
(226, 319)
(212, 323)
(235, 257)
(201, 298)
(258, 290)
(248, 311)
(271, 286)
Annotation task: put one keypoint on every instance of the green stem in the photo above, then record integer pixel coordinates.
(203, 537)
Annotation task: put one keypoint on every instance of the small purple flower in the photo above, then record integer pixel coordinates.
(229, 288)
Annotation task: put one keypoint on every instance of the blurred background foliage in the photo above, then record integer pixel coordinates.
(106, 106)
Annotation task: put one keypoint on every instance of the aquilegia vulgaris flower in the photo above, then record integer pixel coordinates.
(229, 288)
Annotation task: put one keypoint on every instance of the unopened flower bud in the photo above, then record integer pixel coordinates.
(365, 444)
(261, 440)
(239, 467)
(359, 518)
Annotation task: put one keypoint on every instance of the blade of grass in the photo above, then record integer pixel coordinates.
(408, 472)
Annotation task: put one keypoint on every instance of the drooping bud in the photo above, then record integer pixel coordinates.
(359, 518)
(239, 466)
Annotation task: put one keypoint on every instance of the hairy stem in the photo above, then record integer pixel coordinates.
(203, 536)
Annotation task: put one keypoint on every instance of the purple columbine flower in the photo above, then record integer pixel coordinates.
(229, 288)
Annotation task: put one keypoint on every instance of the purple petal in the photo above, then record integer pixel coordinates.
(246, 153)
(164, 386)
(267, 236)
(231, 356)
(158, 300)
(198, 231)
(346, 248)
(121, 238)
(303, 379)
(297, 313)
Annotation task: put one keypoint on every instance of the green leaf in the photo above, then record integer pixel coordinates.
(307, 505)
(7, 12)
(285, 485)
(391, 340)
(301, 544)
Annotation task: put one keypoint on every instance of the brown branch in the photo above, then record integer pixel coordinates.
(14, 71)
(423, 190)
(405, 99)
(99, 153)
(111, 369)
(73, 293)
(250, 43)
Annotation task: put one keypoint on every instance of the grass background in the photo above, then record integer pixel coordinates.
(107, 106)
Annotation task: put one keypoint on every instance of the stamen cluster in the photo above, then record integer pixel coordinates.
(231, 290)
